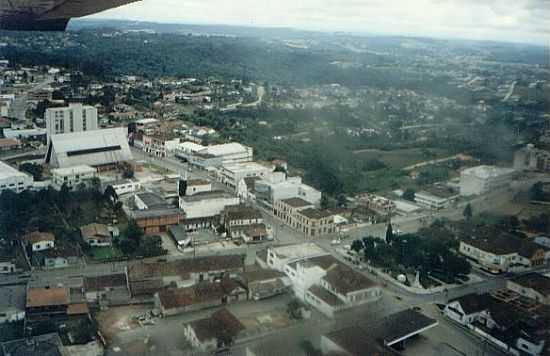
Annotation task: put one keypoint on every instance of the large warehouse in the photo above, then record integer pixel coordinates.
(97, 148)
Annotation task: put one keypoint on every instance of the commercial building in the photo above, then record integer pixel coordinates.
(123, 186)
(102, 149)
(483, 179)
(153, 214)
(214, 156)
(277, 186)
(74, 118)
(75, 177)
(12, 179)
(203, 209)
(36, 134)
(436, 197)
(232, 174)
(304, 217)
(503, 252)
(159, 145)
(376, 203)
(530, 158)
(195, 186)
(279, 256)
(384, 337)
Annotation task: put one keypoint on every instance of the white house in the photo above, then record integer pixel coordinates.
(534, 286)
(40, 241)
(96, 235)
(7, 265)
(467, 309)
(232, 174)
(280, 256)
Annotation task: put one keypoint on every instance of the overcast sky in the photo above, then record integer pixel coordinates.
(508, 20)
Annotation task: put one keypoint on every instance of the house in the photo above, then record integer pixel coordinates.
(112, 288)
(7, 265)
(203, 295)
(500, 252)
(467, 309)
(533, 286)
(96, 235)
(380, 338)
(330, 286)
(12, 303)
(47, 302)
(147, 278)
(59, 257)
(264, 283)
(242, 222)
(39, 241)
(219, 330)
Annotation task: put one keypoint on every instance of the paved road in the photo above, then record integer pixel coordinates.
(19, 105)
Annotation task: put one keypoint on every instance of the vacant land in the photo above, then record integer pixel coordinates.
(402, 158)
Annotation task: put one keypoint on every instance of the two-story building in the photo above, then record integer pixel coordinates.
(75, 177)
(534, 286)
(301, 215)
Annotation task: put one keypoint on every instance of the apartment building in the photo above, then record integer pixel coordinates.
(483, 179)
(12, 179)
(73, 118)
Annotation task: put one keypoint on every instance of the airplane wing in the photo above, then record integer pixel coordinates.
(49, 15)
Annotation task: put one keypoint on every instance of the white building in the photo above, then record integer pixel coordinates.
(123, 186)
(7, 265)
(215, 155)
(73, 177)
(279, 256)
(99, 148)
(276, 186)
(530, 158)
(40, 241)
(195, 186)
(206, 204)
(74, 118)
(483, 179)
(12, 179)
(231, 175)
(436, 198)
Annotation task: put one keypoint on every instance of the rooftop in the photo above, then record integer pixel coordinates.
(226, 149)
(504, 243)
(325, 296)
(346, 280)
(485, 172)
(473, 303)
(8, 171)
(240, 212)
(12, 297)
(151, 200)
(245, 166)
(195, 182)
(313, 213)
(214, 194)
(296, 202)
(95, 230)
(298, 251)
(99, 283)
(81, 169)
(536, 281)
(37, 236)
(221, 324)
(41, 297)
(43, 345)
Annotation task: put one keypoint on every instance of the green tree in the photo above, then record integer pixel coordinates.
(134, 232)
(409, 194)
(357, 246)
(111, 194)
(537, 192)
(35, 170)
(468, 212)
(151, 247)
(389, 234)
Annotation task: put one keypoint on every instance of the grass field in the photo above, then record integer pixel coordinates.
(402, 158)
(104, 253)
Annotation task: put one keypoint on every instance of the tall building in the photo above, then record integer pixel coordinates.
(483, 179)
(73, 118)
